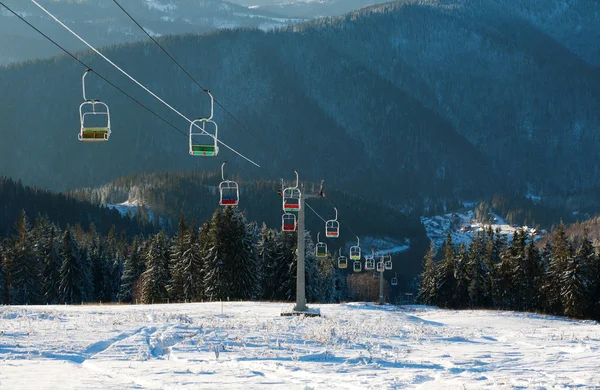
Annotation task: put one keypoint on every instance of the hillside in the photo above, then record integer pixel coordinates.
(60, 209)
(403, 102)
(105, 24)
(195, 195)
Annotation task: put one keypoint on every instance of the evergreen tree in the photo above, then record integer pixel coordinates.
(25, 268)
(187, 271)
(428, 288)
(266, 261)
(50, 264)
(561, 252)
(70, 286)
(461, 276)
(283, 275)
(179, 246)
(477, 273)
(2, 273)
(574, 281)
(156, 277)
(132, 269)
(446, 282)
(532, 278)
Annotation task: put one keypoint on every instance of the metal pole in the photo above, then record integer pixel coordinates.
(381, 282)
(300, 276)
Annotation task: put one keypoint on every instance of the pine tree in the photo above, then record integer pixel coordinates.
(283, 275)
(50, 264)
(25, 268)
(533, 278)
(428, 288)
(179, 246)
(70, 286)
(461, 276)
(266, 261)
(494, 247)
(311, 271)
(187, 270)
(2, 273)
(156, 277)
(561, 252)
(446, 282)
(132, 269)
(575, 284)
(477, 273)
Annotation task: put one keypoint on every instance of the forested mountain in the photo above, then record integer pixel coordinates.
(195, 195)
(62, 210)
(308, 8)
(400, 102)
(103, 23)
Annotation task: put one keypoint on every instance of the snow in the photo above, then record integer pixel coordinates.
(249, 345)
(465, 227)
(153, 4)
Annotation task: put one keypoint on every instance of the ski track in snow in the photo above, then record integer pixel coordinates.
(250, 345)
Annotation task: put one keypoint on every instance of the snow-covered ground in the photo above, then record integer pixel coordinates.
(463, 226)
(251, 346)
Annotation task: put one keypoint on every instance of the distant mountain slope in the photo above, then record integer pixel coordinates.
(308, 8)
(402, 102)
(103, 23)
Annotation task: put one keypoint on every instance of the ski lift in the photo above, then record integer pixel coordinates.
(357, 267)
(94, 118)
(369, 262)
(202, 142)
(387, 262)
(342, 261)
(380, 266)
(229, 193)
(320, 248)
(394, 281)
(288, 222)
(332, 227)
(291, 197)
(355, 251)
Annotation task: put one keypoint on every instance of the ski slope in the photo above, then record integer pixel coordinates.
(250, 346)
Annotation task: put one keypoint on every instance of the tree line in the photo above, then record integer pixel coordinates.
(226, 258)
(560, 278)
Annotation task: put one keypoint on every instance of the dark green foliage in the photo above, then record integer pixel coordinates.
(231, 263)
(25, 267)
(132, 269)
(156, 277)
(71, 289)
(555, 279)
(428, 286)
(446, 280)
(186, 264)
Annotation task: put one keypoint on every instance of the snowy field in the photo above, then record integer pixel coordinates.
(352, 346)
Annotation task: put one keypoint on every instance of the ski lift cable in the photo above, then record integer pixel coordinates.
(196, 82)
(116, 87)
(96, 73)
(313, 210)
(135, 81)
(277, 157)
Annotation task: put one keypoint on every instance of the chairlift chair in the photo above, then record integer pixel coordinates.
(355, 250)
(94, 118)
(369, 262)
(380, 266)
(204, 133)
(332, 227)
(357, 266)
(288, 222)
(229, 193)
(394, 281)
(320, 248)
(388, 262)
(291, 197)
(342, 262)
